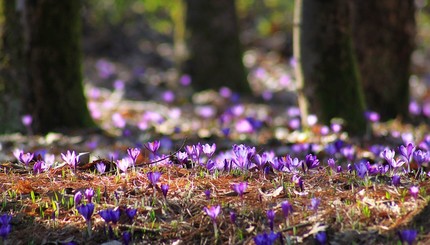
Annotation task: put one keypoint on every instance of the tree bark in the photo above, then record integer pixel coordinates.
(12, 71)
(215, 50)
(384, 32)
(52, 31)
(330, 72)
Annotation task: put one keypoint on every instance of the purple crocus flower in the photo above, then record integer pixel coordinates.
(4, 231)
(77, 198)
(239, 188)
(17, 153)
(153, 177)
(321, 237)
(233, 217)
(89, 193)
(225, 131)
(395, 180)
(182, 156)
(153, 146)
(361, 169)
(105, 214)
(331, 163)
(26, 157)
(388, 155)
(5, 219)
(243, 126)
(212, 211)
(259, 161)
(164, 189)
(131, 212)
(86, 210)
(271, 218)
(397, 163)
(242, 155)
(372, 116)
(312, 161)
(420, 157)
(287, 208)
(407, 151)
(110, 215)
(70, 158)
(123, 164)
(414, 108)
(348, 152)
(414, 190)
(408, 236)
(101, 167)
(37, 167)
(207, 194)
(209, 150)
(115, 214)
(315, 202)
(126, 237)
(133, 153)
(27, 120)
(298, 181)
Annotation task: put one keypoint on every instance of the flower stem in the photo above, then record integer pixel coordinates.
(89, 228)
(215, 231)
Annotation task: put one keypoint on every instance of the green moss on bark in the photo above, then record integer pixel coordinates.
(54, 59)
(330, 71)
(384, 34)
(12, 72)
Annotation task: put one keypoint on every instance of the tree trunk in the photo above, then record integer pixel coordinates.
(52, 31)
(12, 71)
(330, 72)
(384, 33)
(215, 50)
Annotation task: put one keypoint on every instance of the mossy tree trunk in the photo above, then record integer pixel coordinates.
(384, 32)
(12, 64)
(215, 52)
(52, 31)
(329, 67)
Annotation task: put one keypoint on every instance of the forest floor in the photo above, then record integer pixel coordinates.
(136, 102)
(352, 209)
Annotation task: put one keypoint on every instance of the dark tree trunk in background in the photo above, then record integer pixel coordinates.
(52, 30)
(384, 32)
(215, 50)
(12, 71)
(329, 67)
